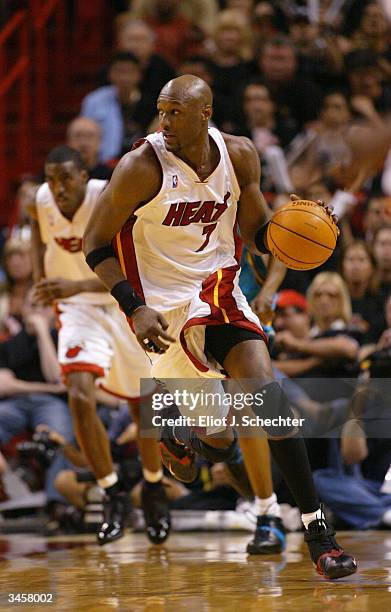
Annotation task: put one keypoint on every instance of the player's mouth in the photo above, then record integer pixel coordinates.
(168, 137)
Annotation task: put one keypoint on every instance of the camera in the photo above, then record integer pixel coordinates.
(40, 448)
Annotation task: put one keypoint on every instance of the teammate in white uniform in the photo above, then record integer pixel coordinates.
(95, 342)
(183, 249)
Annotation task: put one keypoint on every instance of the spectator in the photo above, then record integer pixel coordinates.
(135, 36)
(330, 343)
(267, 22)
(382, 253)
(31, 392)
(84, 135)
(201, 13)
(120, 108)
(318, 50)
(297, 99)
(351, 486)
(365, 78)
(263, 124)
(13, 293)
(377, 215)
(373, 32)
(358, 271)
(322, 145)
(231, 67)
(176, 36)
(25, 197)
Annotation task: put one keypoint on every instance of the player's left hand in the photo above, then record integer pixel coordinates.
(46, 291)
(327, 209)
(261, 305)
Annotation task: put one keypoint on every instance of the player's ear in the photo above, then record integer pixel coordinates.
(84, 175)
(207, 112)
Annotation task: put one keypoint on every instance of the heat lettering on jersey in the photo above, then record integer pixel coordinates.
(184, 213)
(73, 244)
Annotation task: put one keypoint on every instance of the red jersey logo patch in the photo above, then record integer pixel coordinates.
(73, 351)
(73, 244)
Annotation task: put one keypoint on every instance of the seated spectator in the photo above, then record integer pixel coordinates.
(382, 253)
(120, 108)
(297, 99)
(135, 36)
(365, 78)
(262, 122)
(351, 486)
(322, 145)
(201, 13)
(385, 338)
(377, 215)
(358, 271)
(230, 62)
(319, 50)
(19, 277)
(291, 317)
(330, 348)
(31, 392)
(267, 21)
(84, 135)
(25, 197)
(373, 32)
(176, 35)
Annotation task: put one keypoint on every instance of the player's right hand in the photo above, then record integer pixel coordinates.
(47, 290)
(150, 328)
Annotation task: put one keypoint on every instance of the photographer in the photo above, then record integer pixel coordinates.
(31, 392)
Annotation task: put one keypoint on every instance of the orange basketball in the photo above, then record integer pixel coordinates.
(302, 235)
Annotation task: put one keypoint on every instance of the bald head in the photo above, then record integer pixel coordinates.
(188, 87)
(84, 135)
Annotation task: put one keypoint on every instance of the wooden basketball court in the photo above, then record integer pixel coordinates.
(198, 572)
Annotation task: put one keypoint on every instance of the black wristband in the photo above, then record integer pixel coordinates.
(98, 255)
(260, 241)
(126, 297)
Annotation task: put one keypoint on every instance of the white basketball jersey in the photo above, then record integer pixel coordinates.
(187, 232)
(64, 257)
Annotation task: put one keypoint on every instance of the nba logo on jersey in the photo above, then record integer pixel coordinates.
(175, 181)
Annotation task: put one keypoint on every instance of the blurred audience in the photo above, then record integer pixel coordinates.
(137, 37)
(19, 278)
(382, 253)
(177, 36)
(358, 268)
(121, 109)
(84, 135)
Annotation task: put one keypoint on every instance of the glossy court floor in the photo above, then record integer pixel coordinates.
(198, 572)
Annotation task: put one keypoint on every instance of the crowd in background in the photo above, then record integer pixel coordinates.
(293, 77)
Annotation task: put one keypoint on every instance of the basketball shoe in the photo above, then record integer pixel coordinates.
(329, 558)
(156, 511)
(116, 513)
(269, 537)
(176, 457)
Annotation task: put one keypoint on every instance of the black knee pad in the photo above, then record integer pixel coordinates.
(275, 414)
(216, 455)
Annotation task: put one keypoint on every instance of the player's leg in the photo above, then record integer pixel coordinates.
(245, 361)
(92, 438)
(154, 501)
(269, 535)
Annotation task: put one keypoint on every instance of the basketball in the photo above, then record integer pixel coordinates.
(302, 235)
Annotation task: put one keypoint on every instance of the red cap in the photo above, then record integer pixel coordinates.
(288, 298)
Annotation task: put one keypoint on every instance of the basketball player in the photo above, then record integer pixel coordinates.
(269, 534)
(175, 203)
(94, 338)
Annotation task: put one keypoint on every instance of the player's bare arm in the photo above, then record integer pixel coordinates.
(37, 246)
(136, 180)
(253, 212)
(48, 290)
